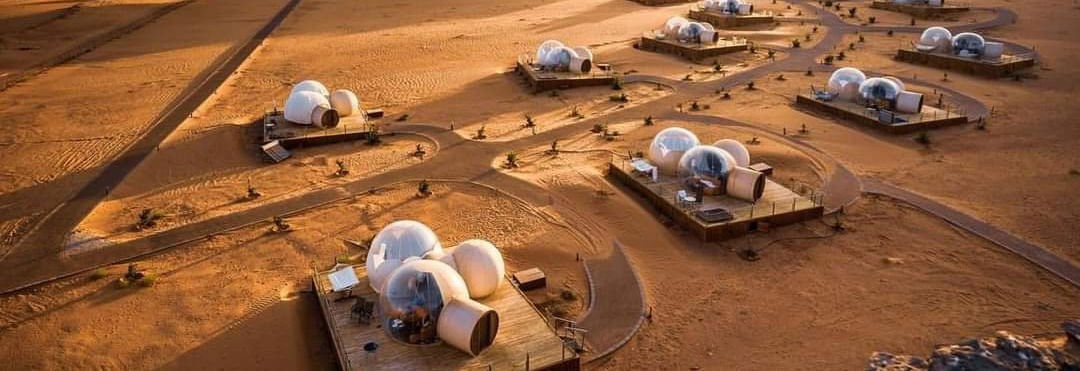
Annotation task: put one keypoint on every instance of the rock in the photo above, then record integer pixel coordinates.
(1002, 352)
(882, 361)
(1072, 328)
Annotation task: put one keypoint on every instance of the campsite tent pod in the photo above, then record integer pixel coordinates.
(845, 83)
(668, 146)
(425, 301)
(935, 39)
(310, 108)
(706, 162)
(968, 44)
(737, 151)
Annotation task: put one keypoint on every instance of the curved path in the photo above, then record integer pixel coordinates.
(614, 316)
(616, 303)
(1035, 254)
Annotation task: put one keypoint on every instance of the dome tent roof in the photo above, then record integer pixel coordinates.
(706, 161)
(394, 244)
(668, 147)
(844, 76)
(877, 88)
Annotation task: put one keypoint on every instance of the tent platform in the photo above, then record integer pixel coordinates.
(550, 80)
(693, 52)
(1007, 65)
(661, 2)
(291, 136)
(918, 11)
(524, 336)
(778, 205)
(719, 20)
(887, 121)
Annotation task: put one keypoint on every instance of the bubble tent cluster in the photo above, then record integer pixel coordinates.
(678, 152)
(428, 293)
(689, 31)
(554, 55)
(310, 103)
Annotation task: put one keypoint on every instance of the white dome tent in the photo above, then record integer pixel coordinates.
(309, 108)
(876, 90)
(394, 244)
(312, 86)
(935, 39)
(706, 162)
(688, 31)
(736, 150)
(733, 7)
(425, 301)
(845, 83)
(968, 44)
(345, 102)
(427, 292)
(668, 146)
(553, 55)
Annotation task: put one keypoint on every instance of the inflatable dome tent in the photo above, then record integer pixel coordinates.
(668, 147)
(427, 293)
(729, 6)
(553, 55)
(687, 31)
(935, 39)
(844, 83)
(310, 103)
(968, 44)
(706, 162)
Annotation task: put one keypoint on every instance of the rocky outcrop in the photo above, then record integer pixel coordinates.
(1002, 352)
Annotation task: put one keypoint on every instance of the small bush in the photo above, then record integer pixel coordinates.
(872, 19)
(568, 295)
(99, 274)
(148, 281)
(923, 138)
(649, 121)
(795, 43)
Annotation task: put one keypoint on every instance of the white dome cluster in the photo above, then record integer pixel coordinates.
(310, 103)
(554, 55)
(729, 6)
(850, 84)
(677, 151)
(427, 290)
(964, 44)
(688, 31)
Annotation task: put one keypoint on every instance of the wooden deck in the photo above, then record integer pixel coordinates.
(692, 51)
(920, 11)
(523, 333)
(777, 205)
(719, 20)
(548, 80)
(903, 123)
(291, 135)
(1007, 65)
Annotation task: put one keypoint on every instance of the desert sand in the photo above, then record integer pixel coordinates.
(897, 279)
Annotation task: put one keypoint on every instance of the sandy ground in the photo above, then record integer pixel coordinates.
(897, 280)
(213, 298)
(71, 119)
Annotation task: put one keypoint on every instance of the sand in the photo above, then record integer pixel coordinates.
(897, 280)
